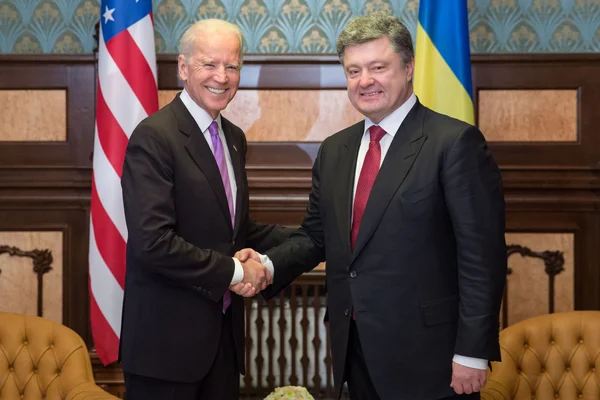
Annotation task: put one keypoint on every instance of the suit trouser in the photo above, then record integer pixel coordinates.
(357, 375)
(221, 382)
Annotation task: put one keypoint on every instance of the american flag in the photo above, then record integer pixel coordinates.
(127, 93)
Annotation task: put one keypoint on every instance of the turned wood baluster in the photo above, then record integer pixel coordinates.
(271, 345)
(304, 323)
(328, 365)
(293, 340)
(248, 377)
(259, 358)
(317, 340)
(282, 323)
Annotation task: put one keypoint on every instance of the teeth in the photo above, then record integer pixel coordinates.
(370, 94)
(216, 91)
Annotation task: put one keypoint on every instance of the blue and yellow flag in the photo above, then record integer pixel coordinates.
(443, 62)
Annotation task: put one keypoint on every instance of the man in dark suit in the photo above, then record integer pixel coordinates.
(407, 210)
(186, 204)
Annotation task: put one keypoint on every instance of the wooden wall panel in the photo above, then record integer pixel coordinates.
(33, 115)
(25, 283)
(57, 223)
(528, 115)
(529, 282)
(72, 75)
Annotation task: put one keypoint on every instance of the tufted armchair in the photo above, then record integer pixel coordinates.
(555, 356)
(40, 359)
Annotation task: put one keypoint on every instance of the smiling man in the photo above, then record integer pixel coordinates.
(186, 204)
(407, 210)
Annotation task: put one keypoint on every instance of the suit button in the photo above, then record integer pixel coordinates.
(352, 274)
(346, 312)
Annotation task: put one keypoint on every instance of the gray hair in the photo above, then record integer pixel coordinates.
(186, 43)
(366, 28)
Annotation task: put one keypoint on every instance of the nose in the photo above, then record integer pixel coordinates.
(221, 75)
(366, 79)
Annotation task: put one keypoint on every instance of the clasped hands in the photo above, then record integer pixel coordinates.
(256, 275)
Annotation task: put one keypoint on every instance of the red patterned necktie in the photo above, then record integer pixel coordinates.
(368, 173)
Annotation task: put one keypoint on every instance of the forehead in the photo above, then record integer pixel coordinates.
(370, 51)
(215, 43)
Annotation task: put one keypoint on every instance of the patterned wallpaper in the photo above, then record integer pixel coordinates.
(304, 26)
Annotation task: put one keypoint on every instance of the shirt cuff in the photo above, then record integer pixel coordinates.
(477, 363)
(238, 272)
(266, 261)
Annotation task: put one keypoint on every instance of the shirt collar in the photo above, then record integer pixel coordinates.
(392, 122)
(202, 118)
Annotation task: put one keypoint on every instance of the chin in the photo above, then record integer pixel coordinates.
(369, 111)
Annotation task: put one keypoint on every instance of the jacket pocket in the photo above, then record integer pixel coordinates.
(440, 311)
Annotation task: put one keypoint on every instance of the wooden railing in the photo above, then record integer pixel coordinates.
(287, 342)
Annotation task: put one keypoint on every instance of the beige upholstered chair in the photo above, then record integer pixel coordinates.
(555, 356)
(40, 359)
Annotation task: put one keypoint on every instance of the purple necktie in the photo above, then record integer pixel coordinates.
(222, 164)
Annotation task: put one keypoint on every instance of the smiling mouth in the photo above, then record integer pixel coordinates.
(370, 94)
(215, 91)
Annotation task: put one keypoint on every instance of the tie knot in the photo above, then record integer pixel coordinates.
(213, 128)
(376, 133)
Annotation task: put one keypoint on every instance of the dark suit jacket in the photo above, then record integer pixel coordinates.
(428, 270)
(180, 246)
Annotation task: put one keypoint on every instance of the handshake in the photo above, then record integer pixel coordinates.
(256, 275)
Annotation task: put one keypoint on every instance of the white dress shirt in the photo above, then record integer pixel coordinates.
(203, 120)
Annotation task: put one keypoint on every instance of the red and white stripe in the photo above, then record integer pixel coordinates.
(127, 93)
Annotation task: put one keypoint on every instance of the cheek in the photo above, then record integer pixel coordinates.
(199, 78)
(353, 91)
(234, 80)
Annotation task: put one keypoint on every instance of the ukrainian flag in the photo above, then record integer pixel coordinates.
(442, 62)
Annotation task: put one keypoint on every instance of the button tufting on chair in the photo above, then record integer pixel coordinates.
(29, 370)
(550, 356)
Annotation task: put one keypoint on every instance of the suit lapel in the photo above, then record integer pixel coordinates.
(345, 183)
(198, 149)
(397, 163)
(234, 147)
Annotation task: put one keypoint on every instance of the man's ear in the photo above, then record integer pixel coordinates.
(410, 70)
(182, 67)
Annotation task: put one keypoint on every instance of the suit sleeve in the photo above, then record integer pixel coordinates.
(305, 248)
(148, 198)
(263, 237)
(474, 196)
